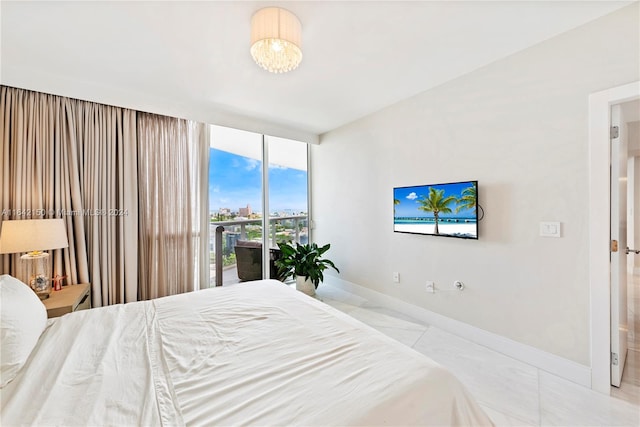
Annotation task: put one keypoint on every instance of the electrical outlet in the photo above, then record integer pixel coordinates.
(396, 277)
(430, 287)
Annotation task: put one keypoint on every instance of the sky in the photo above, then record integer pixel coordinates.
(409, 196)
(235, 181)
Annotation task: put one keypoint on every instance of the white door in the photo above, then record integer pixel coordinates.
(618, 255)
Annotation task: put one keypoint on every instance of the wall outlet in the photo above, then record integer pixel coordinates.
(396, 277)
(430, 287)
(550, 229)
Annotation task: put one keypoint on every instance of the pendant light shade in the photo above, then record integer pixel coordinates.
(276, 39)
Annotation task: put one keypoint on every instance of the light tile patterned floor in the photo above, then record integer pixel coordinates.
(511, 392)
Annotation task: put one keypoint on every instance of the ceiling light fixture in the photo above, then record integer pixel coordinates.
(276, 36)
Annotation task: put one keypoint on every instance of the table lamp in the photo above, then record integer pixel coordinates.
(34, 236)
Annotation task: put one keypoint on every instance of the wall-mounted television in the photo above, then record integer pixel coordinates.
(449, 210)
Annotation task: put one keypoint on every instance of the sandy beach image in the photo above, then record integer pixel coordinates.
(445, 229)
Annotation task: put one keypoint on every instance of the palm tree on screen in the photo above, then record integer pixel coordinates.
(468, 199)
(436, 203)
(395, 203)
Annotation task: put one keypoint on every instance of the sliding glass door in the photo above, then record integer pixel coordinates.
(241, 190)
(235, 204)
(288, 191)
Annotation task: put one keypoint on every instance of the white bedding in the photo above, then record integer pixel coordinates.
(257, 353)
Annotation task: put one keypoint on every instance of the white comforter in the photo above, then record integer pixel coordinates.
(257, 353)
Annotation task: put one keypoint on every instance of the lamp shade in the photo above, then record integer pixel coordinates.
(32, 235)
(276, 36)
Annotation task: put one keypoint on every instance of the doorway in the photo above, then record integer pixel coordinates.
(625, 118)
(628, 386)
(599, 228)
(258, 198)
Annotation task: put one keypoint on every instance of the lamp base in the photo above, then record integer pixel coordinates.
(41, 285)
(38, 277)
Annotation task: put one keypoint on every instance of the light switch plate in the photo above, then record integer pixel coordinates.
(550, 229)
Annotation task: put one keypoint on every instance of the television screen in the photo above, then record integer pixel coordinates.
(449, 210)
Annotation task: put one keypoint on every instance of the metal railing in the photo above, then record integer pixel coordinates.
(220, 228)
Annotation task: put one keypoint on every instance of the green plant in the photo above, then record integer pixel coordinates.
(304, 260)
(228, 260)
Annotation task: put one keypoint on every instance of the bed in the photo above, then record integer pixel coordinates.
(255, 353)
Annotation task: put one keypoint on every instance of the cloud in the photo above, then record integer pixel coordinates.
(276, 166)
(251, 164)
(216, 189)
(412, 196)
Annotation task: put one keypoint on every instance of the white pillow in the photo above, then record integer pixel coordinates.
(23, 317)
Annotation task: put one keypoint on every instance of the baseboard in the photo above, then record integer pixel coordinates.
(559, 366)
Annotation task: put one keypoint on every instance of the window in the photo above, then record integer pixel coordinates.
(238, 198)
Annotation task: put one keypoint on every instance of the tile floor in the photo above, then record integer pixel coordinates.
(511, 392)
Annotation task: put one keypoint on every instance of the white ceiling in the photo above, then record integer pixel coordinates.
(191, 59)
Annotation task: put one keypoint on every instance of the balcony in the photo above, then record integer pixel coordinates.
(223, 236)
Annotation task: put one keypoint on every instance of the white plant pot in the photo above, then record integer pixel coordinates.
(305, 285)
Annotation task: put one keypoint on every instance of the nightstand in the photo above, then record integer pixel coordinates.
(70, 298)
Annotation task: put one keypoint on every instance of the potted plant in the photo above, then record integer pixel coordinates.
(305, 263)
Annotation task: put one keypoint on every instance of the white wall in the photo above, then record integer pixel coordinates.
(518, 126)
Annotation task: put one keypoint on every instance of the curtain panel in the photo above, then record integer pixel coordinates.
(78, 160)
(171, 155)
(72, 159)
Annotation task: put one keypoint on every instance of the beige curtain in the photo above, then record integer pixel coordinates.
(76, 160)
(172, 155)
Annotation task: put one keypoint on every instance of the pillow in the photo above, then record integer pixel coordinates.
(23, 317)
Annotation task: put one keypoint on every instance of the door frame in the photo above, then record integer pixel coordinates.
(599, 228)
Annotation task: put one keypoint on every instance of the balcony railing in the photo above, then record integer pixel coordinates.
(219, 227)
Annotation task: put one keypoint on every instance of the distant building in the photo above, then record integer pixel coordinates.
(230, 239)
(245, 212)
(224, 211)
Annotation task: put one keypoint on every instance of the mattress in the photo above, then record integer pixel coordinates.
(255, 353)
